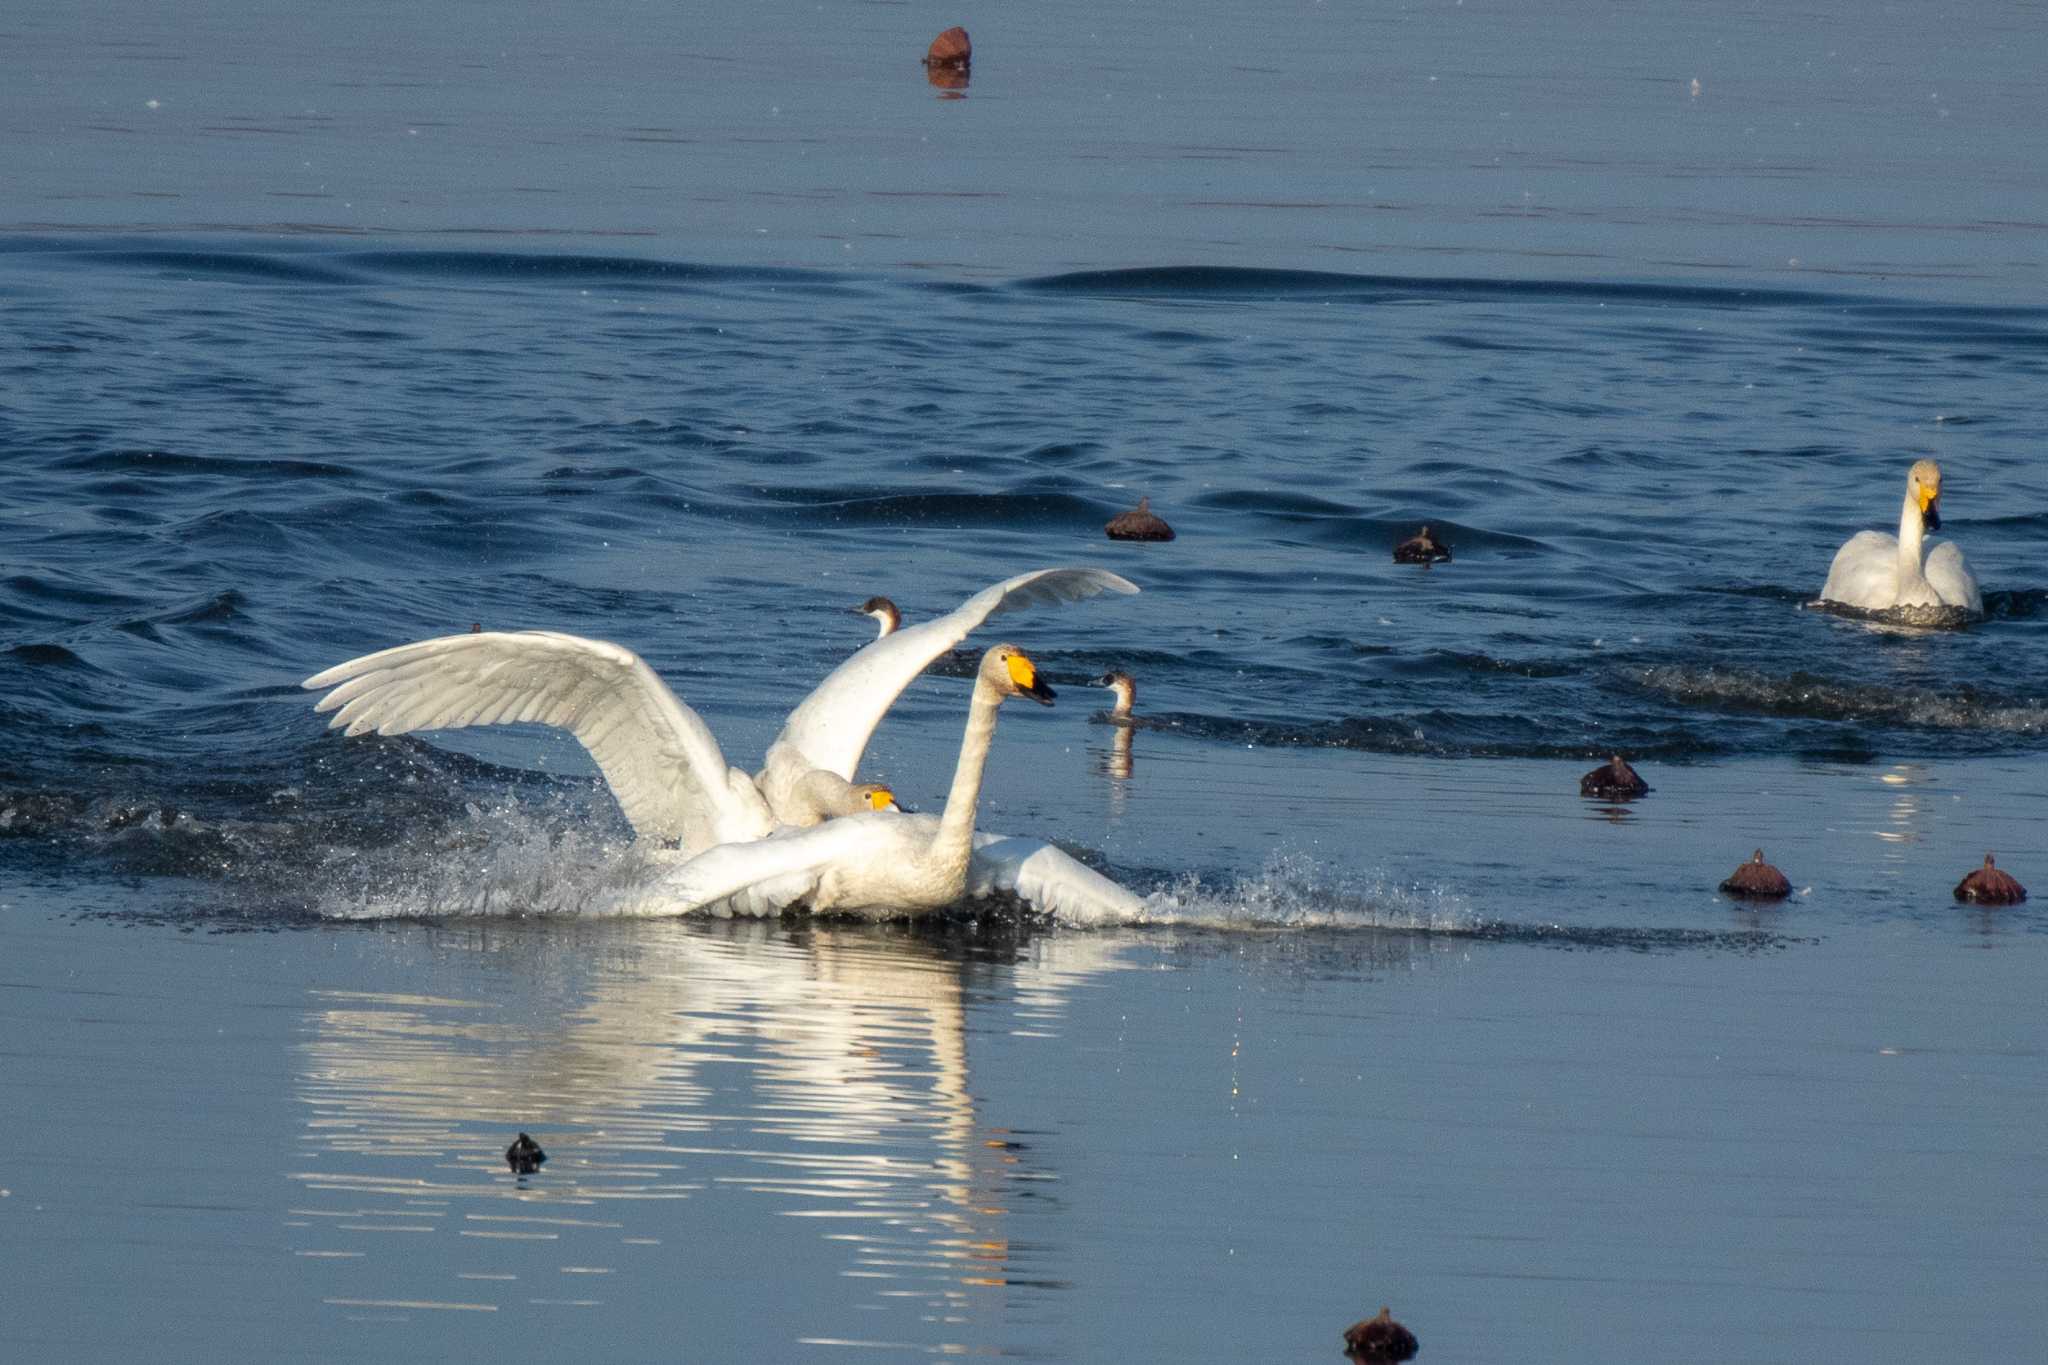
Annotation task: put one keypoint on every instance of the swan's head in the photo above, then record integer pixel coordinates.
(1010, 671)
(875, 796)
(1923, 490)
(882, 612)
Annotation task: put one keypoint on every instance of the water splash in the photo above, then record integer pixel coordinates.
(1294, 891)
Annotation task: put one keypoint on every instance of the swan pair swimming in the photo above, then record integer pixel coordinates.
(1903, 575)
(675, 787)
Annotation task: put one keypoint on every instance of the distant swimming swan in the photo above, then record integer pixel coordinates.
(1879, 572)
(889, 864)
(658, 756)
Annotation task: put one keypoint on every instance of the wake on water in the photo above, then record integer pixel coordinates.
(518, 858)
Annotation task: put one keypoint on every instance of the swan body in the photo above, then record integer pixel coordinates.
(657, 755)
(792, 868)
(1877, 572)
(892, 864)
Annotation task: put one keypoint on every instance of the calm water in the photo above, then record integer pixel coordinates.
(692, 331)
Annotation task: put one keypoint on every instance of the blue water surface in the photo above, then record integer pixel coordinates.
(330, 330)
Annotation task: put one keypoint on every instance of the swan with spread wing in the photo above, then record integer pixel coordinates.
(888, 864)
(657, 755)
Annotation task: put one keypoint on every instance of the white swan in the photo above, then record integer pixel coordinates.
(1879, 572)
(657, 755)
(887, 865)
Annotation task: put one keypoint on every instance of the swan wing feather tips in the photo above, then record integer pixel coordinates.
(657, 755)
(831, 728)
(1048, 880)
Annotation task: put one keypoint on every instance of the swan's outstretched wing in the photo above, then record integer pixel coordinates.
(1951, 578)
(1047, 880)
(832, 726)
(658, 756)
(1865, 572)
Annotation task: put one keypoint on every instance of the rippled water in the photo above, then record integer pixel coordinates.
(691, 359)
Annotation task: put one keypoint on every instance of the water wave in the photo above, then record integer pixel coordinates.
(1810, 696)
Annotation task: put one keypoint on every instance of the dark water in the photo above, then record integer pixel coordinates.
(691, 332)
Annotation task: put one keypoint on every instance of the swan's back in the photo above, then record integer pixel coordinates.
(1865, 572)
(1951, 578)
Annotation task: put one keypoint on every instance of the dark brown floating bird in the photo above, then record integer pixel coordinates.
(1759, 879)
(950, 51)
(1988, 886)
(524, 1155)
(1422, 548)
(1613, 781)
(1379, 1338)
(1138, 524)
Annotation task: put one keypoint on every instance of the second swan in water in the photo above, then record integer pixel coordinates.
(1905, 574)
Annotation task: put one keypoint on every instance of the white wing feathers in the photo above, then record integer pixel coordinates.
(1865, 572)
(763, 876)
(1951, 578)
(832, 726)
(657, 755)
(1048, 880)
(766, 876)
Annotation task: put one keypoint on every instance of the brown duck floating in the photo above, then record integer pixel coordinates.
(524, 1156)
(1379, 1338)
(1138, 524)
(1422, 548)
(1988, 886)
(1613, 780)
(950, 55)
(1759, 879)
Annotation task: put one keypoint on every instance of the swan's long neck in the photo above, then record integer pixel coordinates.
(1912, 529)
(955, 839)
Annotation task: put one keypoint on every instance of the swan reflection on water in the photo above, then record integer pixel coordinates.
(824, 1067)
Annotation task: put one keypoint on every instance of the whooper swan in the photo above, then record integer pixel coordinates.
(657, 755)
(1883, 573)
(887, 865)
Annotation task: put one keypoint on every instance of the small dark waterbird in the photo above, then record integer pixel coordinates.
(1422, 548)
(1614, 780)
(1989, 886)
(1758, 880)
(524, 1156)
(1379, 1338)
(1138, 524)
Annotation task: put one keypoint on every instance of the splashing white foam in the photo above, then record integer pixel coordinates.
(512, 860)
(1295, 891)
(507, 860)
